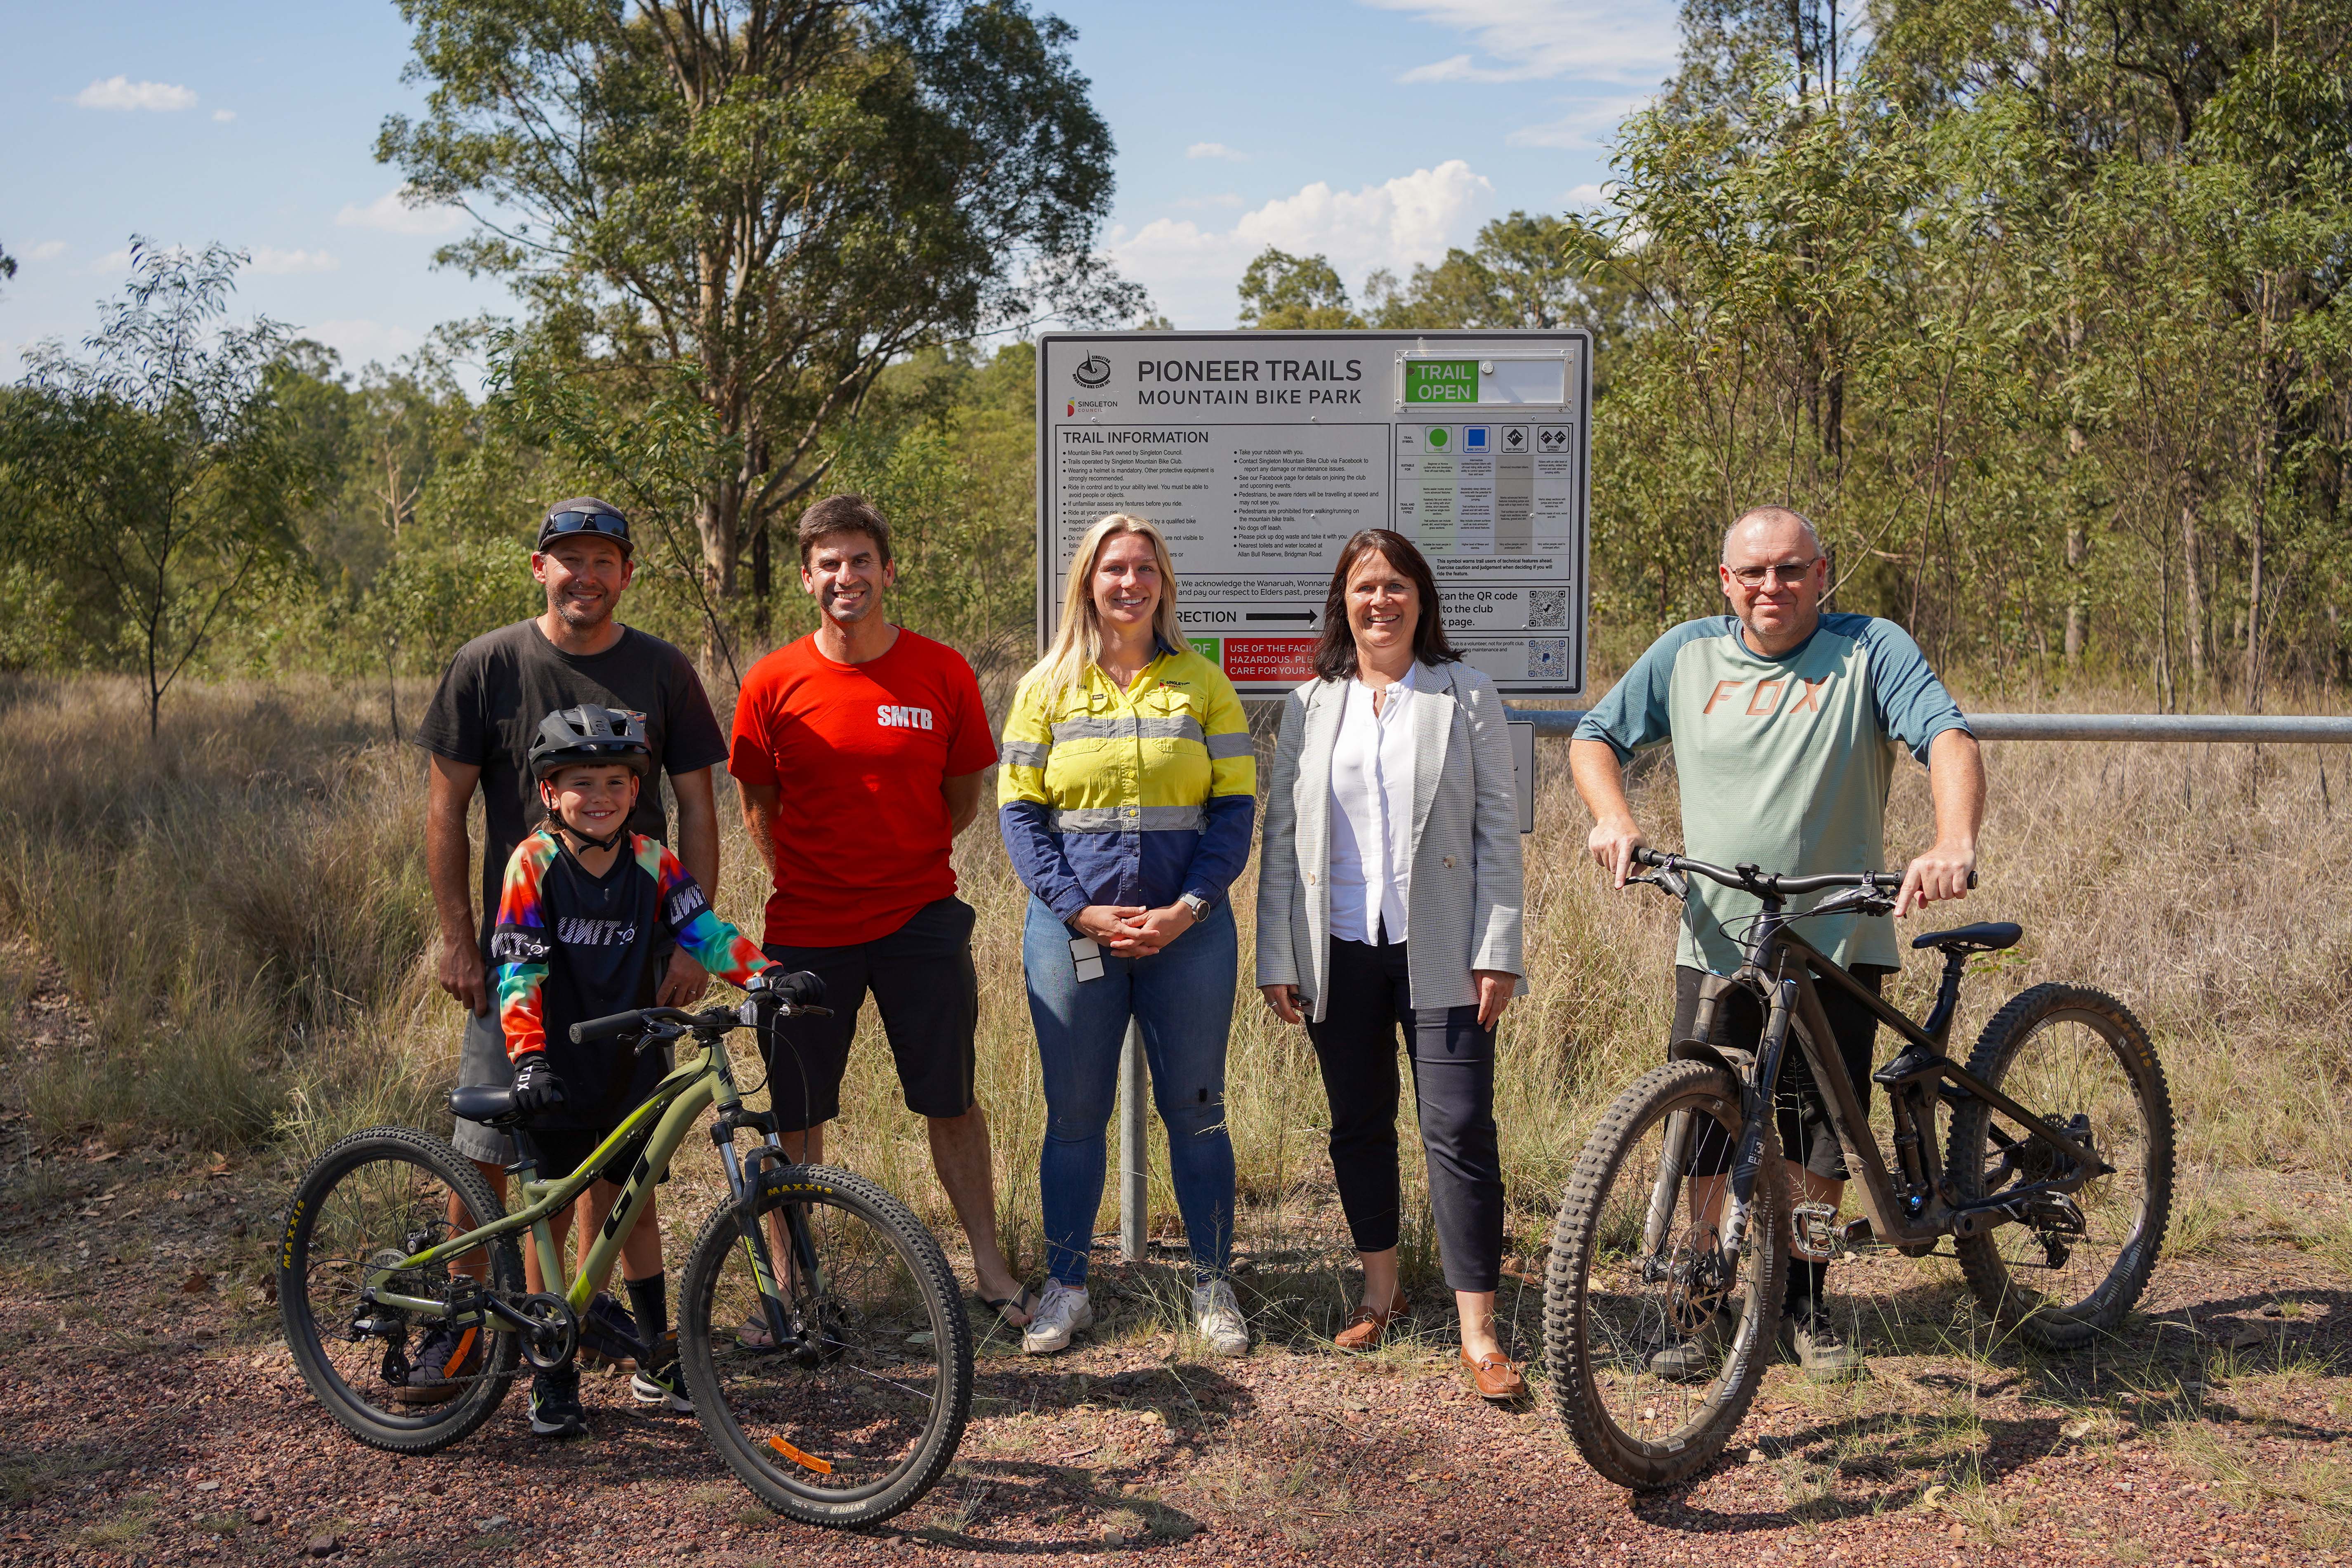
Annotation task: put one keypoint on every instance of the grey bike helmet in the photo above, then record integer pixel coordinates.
(572, 736)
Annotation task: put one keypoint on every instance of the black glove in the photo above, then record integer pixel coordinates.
(536, 1087)
(800, 989)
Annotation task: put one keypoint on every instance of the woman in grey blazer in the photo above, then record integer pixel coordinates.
(1390, 895)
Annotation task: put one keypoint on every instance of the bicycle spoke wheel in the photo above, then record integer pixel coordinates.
(373, 1199)
(856, 1410)
(1655, 1345)
(2074, 1266)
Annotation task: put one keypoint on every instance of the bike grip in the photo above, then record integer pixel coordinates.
(1645, 855)
(609, 1028)
(803, 988)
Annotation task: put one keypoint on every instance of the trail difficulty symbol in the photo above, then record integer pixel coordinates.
(1093, 371)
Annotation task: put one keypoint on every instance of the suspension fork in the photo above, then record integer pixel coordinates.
(1666, 1190)
(1748, 1162)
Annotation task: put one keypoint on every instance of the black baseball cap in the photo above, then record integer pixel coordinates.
(586, 514)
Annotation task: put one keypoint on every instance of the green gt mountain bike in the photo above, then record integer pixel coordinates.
(2046, 1161)
(843, 1412)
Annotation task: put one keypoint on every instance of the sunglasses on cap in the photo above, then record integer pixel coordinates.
(611, 525)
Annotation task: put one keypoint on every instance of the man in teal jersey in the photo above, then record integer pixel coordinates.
(1785, 724)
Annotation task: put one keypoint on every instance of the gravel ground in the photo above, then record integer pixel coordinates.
(154, 1418)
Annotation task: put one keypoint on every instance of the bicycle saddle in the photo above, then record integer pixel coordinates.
(490, 1106)
(1986, 936)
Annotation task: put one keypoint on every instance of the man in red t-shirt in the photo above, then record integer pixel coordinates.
(859, 751)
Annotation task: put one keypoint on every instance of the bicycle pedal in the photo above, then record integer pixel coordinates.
(1812, 1228)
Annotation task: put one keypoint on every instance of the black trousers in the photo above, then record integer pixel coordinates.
(1802, 1116)
(1454, 1088)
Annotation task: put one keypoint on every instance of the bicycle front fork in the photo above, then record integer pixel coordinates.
(1756, 1104)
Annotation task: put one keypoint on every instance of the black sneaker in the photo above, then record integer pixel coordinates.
(555, 1409)
(661, 1382)
(608, 1335)
(444, 1361)
(1698, 1357)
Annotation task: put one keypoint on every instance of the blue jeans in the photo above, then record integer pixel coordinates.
(1182, 1000)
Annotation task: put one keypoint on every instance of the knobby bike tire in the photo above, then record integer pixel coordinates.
(777, 1485)
(1573, 1342)
(299, 1280)
(2014, 1303)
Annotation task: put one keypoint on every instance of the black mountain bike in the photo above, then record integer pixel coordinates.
(2052, 1175)
(821, 1333)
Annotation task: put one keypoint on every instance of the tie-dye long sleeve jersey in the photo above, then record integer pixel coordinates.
(570, 947)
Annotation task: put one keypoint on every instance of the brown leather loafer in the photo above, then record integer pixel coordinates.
(1495, 1378)
(1369, 1326)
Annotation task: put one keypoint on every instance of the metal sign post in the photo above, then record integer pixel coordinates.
(1258, 454)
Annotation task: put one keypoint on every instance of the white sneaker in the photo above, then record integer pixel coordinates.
(1217, 1317)
(1063, 1313)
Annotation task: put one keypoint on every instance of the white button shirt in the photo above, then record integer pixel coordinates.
(1372, 825)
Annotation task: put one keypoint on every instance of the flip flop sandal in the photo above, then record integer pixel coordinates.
(1027, 1303)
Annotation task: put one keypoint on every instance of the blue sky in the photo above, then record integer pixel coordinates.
(1377, 131)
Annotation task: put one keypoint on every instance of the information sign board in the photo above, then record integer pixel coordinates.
(1259, 453)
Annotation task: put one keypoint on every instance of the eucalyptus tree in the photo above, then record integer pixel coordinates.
(155, 480)
(772, 198)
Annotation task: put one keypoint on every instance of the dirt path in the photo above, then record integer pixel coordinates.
(151, 1417)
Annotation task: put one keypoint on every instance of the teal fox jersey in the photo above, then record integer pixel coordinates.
(1784, 762)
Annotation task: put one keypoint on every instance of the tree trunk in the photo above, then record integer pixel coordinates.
(2192, 578)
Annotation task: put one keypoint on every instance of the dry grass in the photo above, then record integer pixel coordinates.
(241, 910)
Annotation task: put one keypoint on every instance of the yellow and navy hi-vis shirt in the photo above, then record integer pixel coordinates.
(1132, 797)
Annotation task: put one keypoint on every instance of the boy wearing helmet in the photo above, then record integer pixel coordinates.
(585, 911)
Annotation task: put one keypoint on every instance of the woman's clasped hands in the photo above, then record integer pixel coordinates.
(1130, 930)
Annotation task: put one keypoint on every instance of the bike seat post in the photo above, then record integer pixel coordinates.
(1947, 997)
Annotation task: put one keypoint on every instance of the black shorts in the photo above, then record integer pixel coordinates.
(562, 1150)
(1803, 1118)
(922, 979)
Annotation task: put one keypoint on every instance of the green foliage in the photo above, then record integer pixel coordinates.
(759, 206)
(152, 486)
(1284, 292)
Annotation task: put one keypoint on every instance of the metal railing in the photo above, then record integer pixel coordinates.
(2258, 729)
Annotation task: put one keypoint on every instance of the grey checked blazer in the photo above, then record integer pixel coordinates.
(1468, 893)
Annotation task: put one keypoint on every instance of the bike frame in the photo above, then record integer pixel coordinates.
(701, 1081)
(1784, 975)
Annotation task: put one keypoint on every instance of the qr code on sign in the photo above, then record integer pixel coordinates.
(1546, 658)
(1547, 606)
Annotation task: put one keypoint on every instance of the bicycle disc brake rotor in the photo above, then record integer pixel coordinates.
(1699, 1285)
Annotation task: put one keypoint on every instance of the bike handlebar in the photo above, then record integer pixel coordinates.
(794, 995)
(1748, 880)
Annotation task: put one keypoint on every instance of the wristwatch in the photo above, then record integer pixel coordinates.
(1197, 904)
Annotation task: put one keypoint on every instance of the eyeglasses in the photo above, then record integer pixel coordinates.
(1756, 576)
(563, 522)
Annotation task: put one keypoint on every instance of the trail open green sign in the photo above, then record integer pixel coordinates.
(1441, 381)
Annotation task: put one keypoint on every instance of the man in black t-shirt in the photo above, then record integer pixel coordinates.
(479, 729)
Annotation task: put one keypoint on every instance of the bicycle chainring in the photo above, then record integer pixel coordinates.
(554, 1333)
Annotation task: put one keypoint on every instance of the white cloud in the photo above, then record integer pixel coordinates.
(1588, 124)
(360, 341)
(222, 116)
(1190, 272)
(1215, 150)
(268, 258)
(122, 92)
(47, 250)
(113, 261)
(1524, 40)
(392, 213)
(1585, 195)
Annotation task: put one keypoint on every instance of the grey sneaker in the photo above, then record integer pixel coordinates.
(1820, 1347)
(1063, 1311)
(1698, 1357)
(1217, 1318)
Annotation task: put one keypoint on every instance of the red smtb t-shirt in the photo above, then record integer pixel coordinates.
(859, 752)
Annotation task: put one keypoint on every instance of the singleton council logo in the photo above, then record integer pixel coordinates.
(1093, 371)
